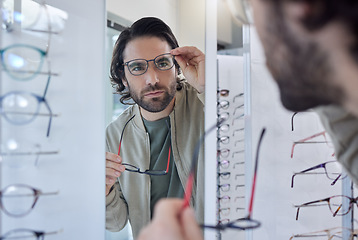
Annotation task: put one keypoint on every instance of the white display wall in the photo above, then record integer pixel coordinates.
(76, 169)
(275, 200)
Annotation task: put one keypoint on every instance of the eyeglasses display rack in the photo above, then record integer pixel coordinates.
(324, 174)
(51, 97)
(276, 204)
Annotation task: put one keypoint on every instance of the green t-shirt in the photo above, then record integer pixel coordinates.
(168, 185)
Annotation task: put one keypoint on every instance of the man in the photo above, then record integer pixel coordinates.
(154, 139)
(311, 50)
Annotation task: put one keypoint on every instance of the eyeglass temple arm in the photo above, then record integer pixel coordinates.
(120, 140)
(306, 139)
(335, 180)
(322, 165)
(292, 128)
(255, 173)
(50, 118)
(190, 181)
(308, 205)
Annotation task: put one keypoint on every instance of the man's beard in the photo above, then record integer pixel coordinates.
(301, 69)
(154, 104)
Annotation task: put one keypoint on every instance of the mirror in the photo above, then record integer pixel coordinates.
(186, 19)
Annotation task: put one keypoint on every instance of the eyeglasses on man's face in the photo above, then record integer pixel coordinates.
(162, 62)
(18, 200)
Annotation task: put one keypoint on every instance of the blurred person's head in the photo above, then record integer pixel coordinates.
(137, 35)
(311, 49)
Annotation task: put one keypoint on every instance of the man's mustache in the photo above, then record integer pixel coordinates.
(152, 88)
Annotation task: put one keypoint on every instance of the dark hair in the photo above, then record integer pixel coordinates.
(144, 27)
(345, 11)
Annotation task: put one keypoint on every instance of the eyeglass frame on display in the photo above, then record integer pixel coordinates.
(38, 234)
(304, 141)
(328, 233)
(37, 194)
(39, 100)
(321, 165)
(336, 213)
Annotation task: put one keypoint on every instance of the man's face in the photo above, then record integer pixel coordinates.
(155, 89)
(299, 65)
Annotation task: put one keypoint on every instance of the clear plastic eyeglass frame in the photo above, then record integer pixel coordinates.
(19, 107)
(18, 156)
(35, 16)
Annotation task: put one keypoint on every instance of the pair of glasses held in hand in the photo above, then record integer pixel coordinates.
(238, 224)
(132, 168)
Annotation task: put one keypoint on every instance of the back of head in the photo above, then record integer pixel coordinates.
(144, 27)
(327, 11)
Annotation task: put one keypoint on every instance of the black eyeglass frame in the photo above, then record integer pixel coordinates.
(137, 169)
(147, 65)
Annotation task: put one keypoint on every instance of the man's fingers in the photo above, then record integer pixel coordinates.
(113, 157)
(188, 52)
(181, 61)
(110, 181)
(169, 206)
(115, 166)
(190, 226)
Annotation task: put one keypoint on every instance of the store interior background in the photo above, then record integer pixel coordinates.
(82, 95)
(275, 199)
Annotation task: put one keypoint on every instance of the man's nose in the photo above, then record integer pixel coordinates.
(151, 74)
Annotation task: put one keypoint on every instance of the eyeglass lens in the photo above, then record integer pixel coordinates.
(18, 200)
(19, 107)
(31, 15)
(22, 61)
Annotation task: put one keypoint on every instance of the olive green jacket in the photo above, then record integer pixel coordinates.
(343, 129)
(130, 197)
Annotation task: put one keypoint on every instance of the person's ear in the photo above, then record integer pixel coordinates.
(125, 82)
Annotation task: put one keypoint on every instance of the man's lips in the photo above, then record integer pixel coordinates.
(154, 94)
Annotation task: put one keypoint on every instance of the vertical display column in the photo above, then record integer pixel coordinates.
(52, 126)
